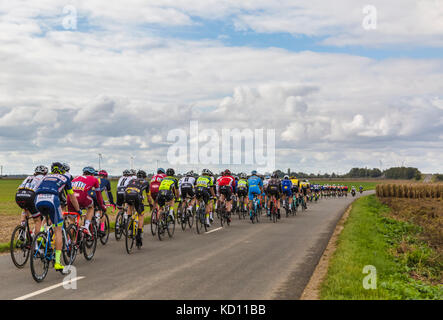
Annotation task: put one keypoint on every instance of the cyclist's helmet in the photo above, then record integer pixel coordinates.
(243, 175)
(254, 172)
(89, 170)
(210, 173)
(103, 173)
(133, 172)
(227, 172)
(275, 175)
(190, 173)
(126, 173)
(206, 172)
(170, 172)
(41, 170)
(160, 171)
(57, 167)
(141, 174)
(286, 177)
(66, 167)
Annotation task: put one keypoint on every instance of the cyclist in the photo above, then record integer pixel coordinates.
(86, 187)
(168, 190)
(242, 190)
(153, 188)
(361, 189)
(63, 194)
(286, 185)
(134, 198)
(255, 188)
(227, 186)
(25, 197)
(121, 187)
(186, 187)
(265, 187)
(305, 191)
(204, 189)
(274, 191)
(106, 185)
(47, 202)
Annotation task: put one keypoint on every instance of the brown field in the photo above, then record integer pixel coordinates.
(427, 213)
(410, 190)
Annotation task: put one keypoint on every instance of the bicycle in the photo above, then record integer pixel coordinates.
(164, 223)
(256, 212)
(20, 245)
(200, 218)
(183, 214)
(43, 251)
(131, 233)
(102, 227)
(78, 240)
(273, 209)
(121, 222)
(223, 214)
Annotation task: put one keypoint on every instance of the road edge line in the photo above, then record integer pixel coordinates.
(35, 293)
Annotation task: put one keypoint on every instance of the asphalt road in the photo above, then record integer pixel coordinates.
(242, 261)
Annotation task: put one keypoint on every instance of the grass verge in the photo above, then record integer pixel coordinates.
(372, 238)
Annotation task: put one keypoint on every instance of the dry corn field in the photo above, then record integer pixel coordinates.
(412, 191)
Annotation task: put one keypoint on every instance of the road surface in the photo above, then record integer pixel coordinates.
(243, 261)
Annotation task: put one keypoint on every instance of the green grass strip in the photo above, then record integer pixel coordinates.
(369, 238)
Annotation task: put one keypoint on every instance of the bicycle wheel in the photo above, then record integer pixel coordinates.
(181, 216)
(191, 218)
(161, 226)
(104, 235)
(119, 226)
(257, 215)
(154, 222)
(170, 225)
(70, 251)
(274, 214)
(39, 260)
(199, 220)
(90, 242)
(220, 214)
(130, 235)
(20, 246)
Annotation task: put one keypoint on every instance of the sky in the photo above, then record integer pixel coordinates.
(343, 84)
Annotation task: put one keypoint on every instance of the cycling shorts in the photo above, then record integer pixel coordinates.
(242, 192)
(203, 193)
(187, 192)
(49, 204)
(135, 200)
(253, 191)
(26, 200)
(226, 191)
(164, 196)
(287, 192)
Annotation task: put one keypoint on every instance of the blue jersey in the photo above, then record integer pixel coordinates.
(286, 184)
(255, 181)
(54, 184)
(106, 185)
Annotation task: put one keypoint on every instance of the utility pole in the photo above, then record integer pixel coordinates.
(1, 171)
(132, 161)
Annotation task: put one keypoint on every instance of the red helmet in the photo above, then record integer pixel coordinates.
(103, 173)
(227, 172)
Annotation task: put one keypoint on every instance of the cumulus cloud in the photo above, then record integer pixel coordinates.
(119, 91)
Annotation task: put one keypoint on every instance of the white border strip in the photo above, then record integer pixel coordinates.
(46, 289)
(214, 230)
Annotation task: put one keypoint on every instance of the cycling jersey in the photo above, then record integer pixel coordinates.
(227, 181)
(86, 189)
(286, 185)
(106, 185)
(47, 199)
(254, 183)
(31, 183)
(168, 183)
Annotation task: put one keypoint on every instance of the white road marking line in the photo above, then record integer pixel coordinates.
(214, 230)
(30, 295)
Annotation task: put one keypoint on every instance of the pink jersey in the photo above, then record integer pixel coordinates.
(155, 182)
(85, 188)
